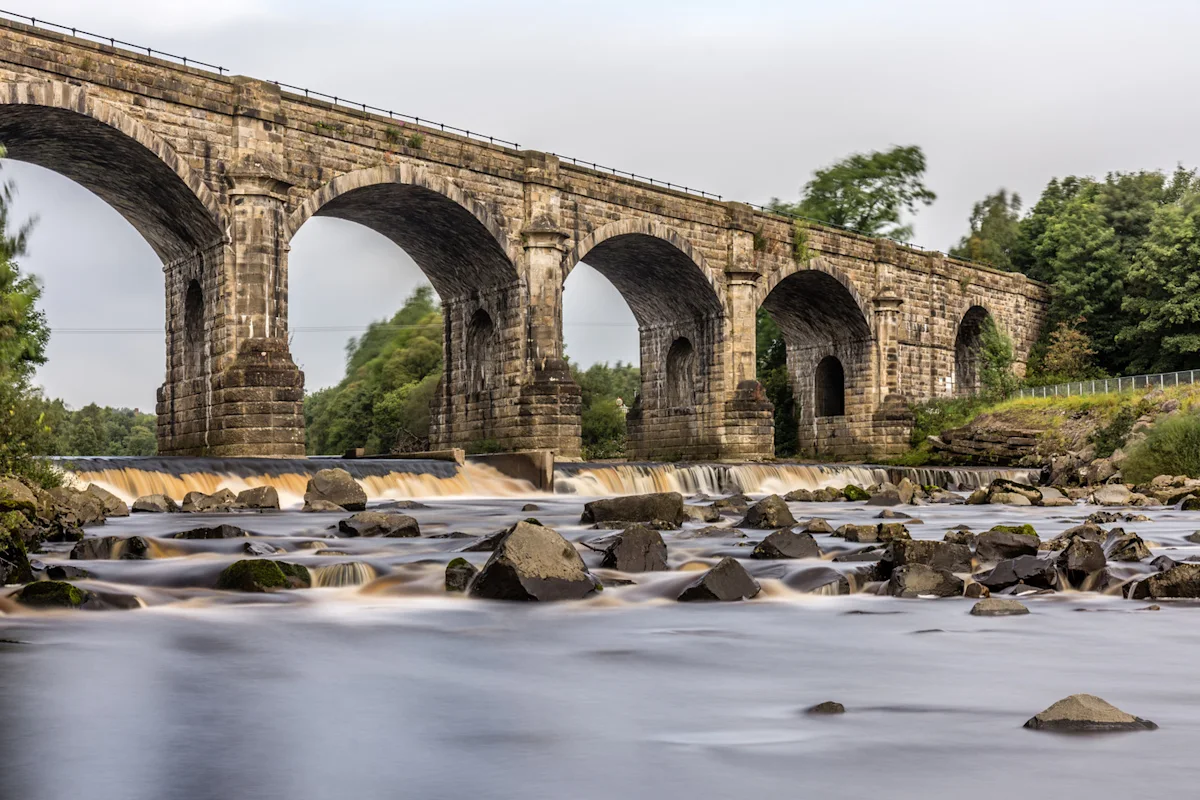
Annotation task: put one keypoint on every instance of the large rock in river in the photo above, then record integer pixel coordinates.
(154, 504)
(215, 532)
(770, 512)
(377, 523)
(201, 503)
(997, 545)
(917, 580)
(87, 507)
(636, 549)
(664, 506)
(16, 496)
(336, 486)
(51, 594)
(262, 498)
(936, 555)
(1081, 559)
(113, 505)
(533, 562)
(787, 543)
(263, 575)
(1181, 580)
(1086, 713)
(727, 581)
(1030, 570)
(133, 548)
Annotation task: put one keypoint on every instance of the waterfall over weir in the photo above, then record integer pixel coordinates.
(386, 479)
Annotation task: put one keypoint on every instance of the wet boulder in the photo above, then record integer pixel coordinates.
(1003, 486)
(263, 575)
(702, 513)
(14, 560)
(336, 486)
(1181, 580)
(154, 504)
(215, 532)
(66, 572)
(100, 548)
(1081, 558)
(1000, 543)
(855, 493)
(828, 707)
(201, 503)
(636, 549)
(725, 582)
(892, 532)
(889, 513)
(816, 525)
(260, 498)
(998, 607)
(918, 580)
(84, 506)
(1086, 713)
(459, 573)
(960, 536)
(735, 502)
(113, 505)
(16, 496)
(533, 562)
(863, 534)
(828, 495)
(259, 549)
(787, 543)
(51, 594)
(1053, 497)
(1114, 494)
(933, 554)
(1039, 573)
(770, 512)
(377, 523)
(1122, 546)
(664, 506)
(799, 496)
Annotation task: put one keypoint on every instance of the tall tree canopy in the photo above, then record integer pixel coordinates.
(995, 229)
(867, 192)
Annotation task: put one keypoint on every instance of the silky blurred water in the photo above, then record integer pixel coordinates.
(404, 692)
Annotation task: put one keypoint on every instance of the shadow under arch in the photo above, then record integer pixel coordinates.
(968, 351)
(62, 128)
(453, 239)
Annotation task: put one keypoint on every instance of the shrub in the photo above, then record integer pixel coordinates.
(1171, 448)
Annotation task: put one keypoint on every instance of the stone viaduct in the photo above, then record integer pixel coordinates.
(218, 173)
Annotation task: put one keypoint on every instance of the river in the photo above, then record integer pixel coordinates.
(391, 688)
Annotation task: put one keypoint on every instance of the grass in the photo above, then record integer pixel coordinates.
(1171, 448)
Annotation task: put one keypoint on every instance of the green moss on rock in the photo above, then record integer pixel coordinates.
(51, 594)
(855, 493)
(1023, 530)
(263, 575)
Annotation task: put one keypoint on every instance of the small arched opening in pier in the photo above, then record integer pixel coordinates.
(481, 353)
(815, 360)
(968, 352)
(679, 318)
(830, 400)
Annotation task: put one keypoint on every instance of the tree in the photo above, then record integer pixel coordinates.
(866, 192)
(996, 362)
(773, 375)
(1067, 356)
(1162, 331)
(603, 422)
(995, 230)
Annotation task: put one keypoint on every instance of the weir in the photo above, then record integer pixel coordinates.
(385, 479)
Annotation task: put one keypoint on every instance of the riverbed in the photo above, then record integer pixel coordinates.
(391, 688)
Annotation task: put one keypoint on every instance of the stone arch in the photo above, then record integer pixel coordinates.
(681, 374)
(817, 265)
(654, 267)
(830, 388)
(967, 350)
(63, 128)
(456, 241)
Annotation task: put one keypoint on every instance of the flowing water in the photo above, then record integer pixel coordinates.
(378, 684)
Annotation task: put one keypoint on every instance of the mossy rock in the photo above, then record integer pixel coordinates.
(1022, 530)
(52, 594)
(1190, 503)
(14, 560)
(263, 575)
(855, 493)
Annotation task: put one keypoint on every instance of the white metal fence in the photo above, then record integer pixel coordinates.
(1105, 385)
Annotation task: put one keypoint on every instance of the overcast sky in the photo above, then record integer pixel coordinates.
(742, 98)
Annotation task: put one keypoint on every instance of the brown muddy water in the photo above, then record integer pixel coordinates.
(381, 685)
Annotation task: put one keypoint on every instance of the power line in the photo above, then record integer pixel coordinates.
(315, 329)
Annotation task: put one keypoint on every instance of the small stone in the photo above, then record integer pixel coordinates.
(259, 549)
(1086, 713)
(828, 707)
(976, 590)
(459, 573)
(217, 532)
(998, 607)
(727, 581)
(531, 507)
(889, 513)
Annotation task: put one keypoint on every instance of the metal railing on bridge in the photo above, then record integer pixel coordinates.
(1106, 385)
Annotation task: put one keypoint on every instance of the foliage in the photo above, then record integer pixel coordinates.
(603, 423)
(1064, 356)
(773, 375)
(1172, 447)
(996, 362)
(392, 374)
(934, 416)
(91, 431)
(866, 192)
(994, 231)
(1107, 438)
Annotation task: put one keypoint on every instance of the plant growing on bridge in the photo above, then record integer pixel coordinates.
(416, 141)
(800, 251)
(996, 362)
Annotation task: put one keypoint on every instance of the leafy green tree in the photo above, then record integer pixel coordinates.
(996, 362)
(603, 390)
(1162, 331)
(773, 375)
(867, 192)
(1067, 355)
(995, 230)
(392, 373)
